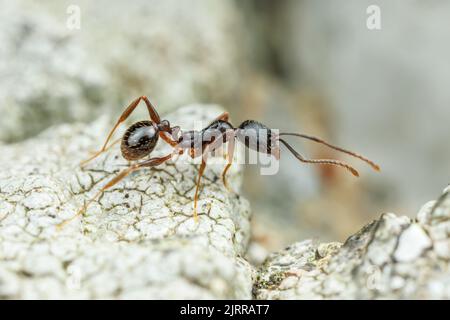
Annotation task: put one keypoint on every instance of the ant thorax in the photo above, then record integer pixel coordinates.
(189, 139)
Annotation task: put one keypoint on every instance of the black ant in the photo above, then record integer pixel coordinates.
(142, 137)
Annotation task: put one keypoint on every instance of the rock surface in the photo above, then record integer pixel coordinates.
(390, 258)
(138, 241)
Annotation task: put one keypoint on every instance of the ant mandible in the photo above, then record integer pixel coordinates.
(142, 137)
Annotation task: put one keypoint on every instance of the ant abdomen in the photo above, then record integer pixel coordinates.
(256, 136)
(139, 140)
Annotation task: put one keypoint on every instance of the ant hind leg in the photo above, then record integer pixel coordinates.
(111, 183)
(129, 110)
(147, 163)
(96, 154)
(224, 116)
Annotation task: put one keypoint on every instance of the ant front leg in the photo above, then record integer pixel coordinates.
(153, 115)
(224, 117)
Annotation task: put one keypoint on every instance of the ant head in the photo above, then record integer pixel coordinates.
(139, 140)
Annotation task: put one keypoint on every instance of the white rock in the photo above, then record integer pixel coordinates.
(138, 241)
(412, 242)
(391, 258)
(424, 212)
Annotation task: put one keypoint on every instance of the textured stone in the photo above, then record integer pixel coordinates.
(390, 258)
(138, 241)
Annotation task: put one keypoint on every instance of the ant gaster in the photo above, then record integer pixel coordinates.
(142, 137)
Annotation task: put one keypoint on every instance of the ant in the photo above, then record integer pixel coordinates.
(141, 138)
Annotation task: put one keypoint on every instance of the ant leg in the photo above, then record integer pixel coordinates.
(148, 163)
(111, 183)
(201, 170)
(96, 154)
(321, 161)
(153, 162)
(230, 154)
(224, 117)
(151, 109)
(200, 174)
(153, 115)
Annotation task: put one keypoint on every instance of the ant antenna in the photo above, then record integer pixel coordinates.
(315, 139)
(320, 161)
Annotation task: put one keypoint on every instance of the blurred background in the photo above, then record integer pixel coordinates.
(311, 66)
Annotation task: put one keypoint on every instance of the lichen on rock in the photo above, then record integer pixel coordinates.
(138, 240)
